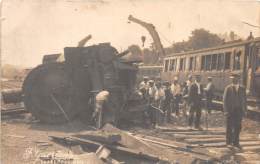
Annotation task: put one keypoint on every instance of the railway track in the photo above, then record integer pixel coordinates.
(208, 145)
(11, 84)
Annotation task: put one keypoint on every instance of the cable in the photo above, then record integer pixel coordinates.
(165, 38)
(251, 24)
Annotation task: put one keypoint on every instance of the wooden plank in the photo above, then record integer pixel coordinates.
(10, 112)
(185, 129)
(96, 145)
(247, 156)
(212, 140)
(223, 144)
(196, 132)
(177, 135)
(130, 141)
(182, 147)
(196, 136)
(100, 136)
(251, 148)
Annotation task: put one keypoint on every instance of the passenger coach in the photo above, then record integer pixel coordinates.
(151, 71)
(241, 57)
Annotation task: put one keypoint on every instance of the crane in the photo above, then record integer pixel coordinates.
(151, 29)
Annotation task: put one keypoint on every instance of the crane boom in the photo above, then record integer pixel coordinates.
(151, 29)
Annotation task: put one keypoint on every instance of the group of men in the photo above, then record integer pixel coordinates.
(166, 97)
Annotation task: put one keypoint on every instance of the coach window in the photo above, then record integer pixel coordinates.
(227, 60)
(258, 60)
(184, 64)
(237, 56)
(195, 63)
(214, 63)
(181, 64)
(174, 65)
(220, 62)
(203, 63)
(208, 62)
(166, 65)
(191, 63)
(171, 65)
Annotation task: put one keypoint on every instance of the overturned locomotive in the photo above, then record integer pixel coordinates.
(61, 90)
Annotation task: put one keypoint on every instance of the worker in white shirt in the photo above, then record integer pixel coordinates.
(151, 92)
(209, 94)
(159, 98)
(101, 104)
(176, 91)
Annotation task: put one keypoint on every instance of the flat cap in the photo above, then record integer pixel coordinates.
(151, 81)
(166, 83)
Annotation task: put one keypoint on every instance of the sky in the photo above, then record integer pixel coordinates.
(33, 28)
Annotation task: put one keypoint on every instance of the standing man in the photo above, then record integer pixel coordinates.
(176, 91)
(151, 102)
(189, 81)
(143, 87)
(159, 98)
(151, 92)
(185, 91)
(195, 102)
(167, 101)
(234, 104)
(209, 93)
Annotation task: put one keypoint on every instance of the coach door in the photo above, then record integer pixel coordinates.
(254, 69)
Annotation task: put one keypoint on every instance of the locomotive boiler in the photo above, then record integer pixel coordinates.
(61, 90)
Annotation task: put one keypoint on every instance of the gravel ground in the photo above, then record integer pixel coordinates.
(23, 139)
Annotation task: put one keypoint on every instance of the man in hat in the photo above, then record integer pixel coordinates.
(209, 93)
(176, 91)
(143, 87)
(158, 80)
(195, 102)
(234, 104)
(189, 81)
(167, 101)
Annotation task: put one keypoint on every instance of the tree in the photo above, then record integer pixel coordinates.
(202, 38)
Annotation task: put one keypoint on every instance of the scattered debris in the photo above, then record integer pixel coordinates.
(77, 149)
(103, 153)
(44, 144)
(13, 111)
(100, 136)
(130, 141)
(16, 136)
(108, 140)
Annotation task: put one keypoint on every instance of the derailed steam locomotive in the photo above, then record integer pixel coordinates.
(59, 91)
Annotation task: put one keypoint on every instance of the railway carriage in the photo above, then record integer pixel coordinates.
(242, 57)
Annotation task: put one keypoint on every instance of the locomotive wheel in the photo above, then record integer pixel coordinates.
(47, 94)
